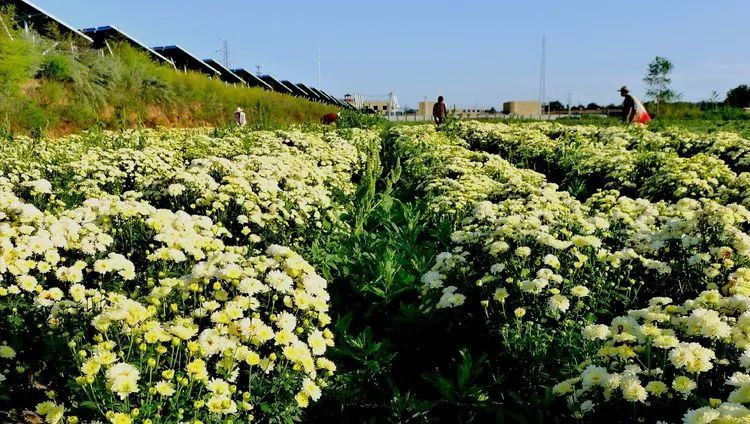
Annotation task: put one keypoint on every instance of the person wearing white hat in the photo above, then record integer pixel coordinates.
(633, 110)
(239, 117)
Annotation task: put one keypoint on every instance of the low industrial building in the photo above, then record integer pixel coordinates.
(382, 106)
(425, 109)
(523, 109)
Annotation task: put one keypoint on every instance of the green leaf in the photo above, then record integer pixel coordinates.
(88, 404)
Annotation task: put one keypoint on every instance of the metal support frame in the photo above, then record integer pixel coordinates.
(106, 43)
(5, 27)
(51, 48)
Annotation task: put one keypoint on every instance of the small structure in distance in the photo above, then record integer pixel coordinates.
(523, 108)
(382, 104)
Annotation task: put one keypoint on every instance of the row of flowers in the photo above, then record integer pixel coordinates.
(693, 354)
(139, 281)
(284, 182)
(534, 257)
(634, 160)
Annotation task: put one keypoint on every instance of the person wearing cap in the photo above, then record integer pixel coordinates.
(239, 117)
(633, 110)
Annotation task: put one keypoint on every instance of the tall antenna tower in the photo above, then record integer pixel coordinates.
(258, 70)
(543, 76)
(224, 50)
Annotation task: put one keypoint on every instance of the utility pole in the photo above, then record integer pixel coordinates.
(257, 70)
(543, 76)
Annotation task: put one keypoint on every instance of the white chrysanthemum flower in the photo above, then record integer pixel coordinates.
(596, 332)
(559, 303)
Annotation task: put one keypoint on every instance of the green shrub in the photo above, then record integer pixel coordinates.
(56, 68)
(45, 87)
(355, 119)
(35, 118)
(19, 61)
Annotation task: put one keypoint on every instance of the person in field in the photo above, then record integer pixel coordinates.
(239, 117)
(329, 118)
(439, 111)
(633, 111)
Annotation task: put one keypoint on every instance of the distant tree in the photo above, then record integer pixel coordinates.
(593, 106)
(714, 99)
(657, 81)
(556, 106)
(493, 110)
(739, 96)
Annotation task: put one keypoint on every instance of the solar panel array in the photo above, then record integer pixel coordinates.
(103, 36)
(251, 79)
(31, 16)
(186, 61)
(226, 74)
(277, 85)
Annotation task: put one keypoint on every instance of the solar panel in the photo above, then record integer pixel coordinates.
(30, 16)
(308, 94)
(318, 93)
(104, 34)
(291, 90)
(251, 79)
(322, 95)
(226, 74)
(339, 101)
(276, 85)
(311, 93)
(331, 98)
(297, 91)
(185, 60)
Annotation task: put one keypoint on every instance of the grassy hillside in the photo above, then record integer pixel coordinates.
(49, 88)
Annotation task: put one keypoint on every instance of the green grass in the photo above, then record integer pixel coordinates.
(65, 91)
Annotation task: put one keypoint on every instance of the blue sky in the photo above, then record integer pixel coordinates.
(475, 53)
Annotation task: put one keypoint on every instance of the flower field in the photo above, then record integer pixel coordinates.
(644, 298)
(144, 278)
(490, 272)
